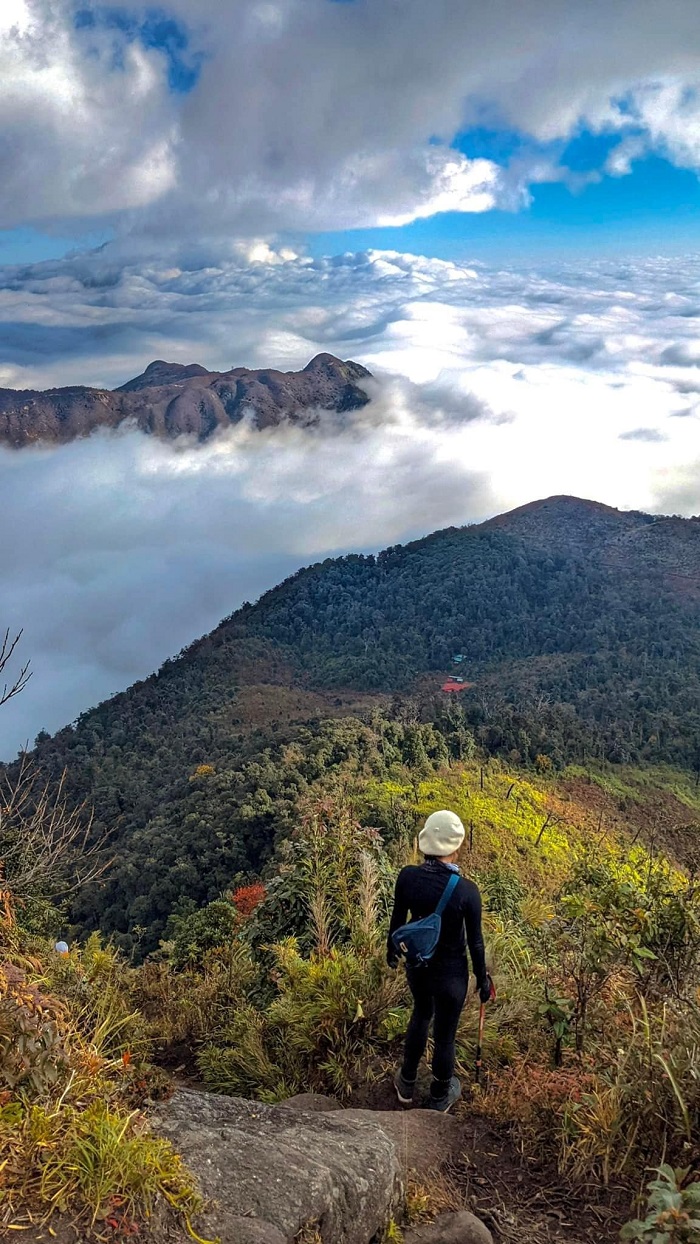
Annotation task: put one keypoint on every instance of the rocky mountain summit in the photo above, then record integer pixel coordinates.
(170, 400)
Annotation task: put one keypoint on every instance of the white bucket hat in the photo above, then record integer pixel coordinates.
(442, 834)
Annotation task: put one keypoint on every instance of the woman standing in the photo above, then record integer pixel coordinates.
(439, 987)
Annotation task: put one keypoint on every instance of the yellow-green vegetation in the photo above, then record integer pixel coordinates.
(593, 939)
(74, 1070)
(424, 1201)
(513, 821)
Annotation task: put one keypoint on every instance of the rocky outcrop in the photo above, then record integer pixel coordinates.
(171, 400)
(268, 1172)
(317, 1103)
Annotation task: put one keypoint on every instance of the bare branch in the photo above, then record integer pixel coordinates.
(45, 844)
(7, 649)
(550, 817)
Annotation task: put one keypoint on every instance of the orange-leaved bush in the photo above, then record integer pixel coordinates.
(247, 897)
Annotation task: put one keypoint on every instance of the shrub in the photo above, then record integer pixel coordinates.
(96, 986)
(185, 1008)
(502, 891)
(246, 898)
(330, 1013)
(33, 1055)
(673, 1211)
(534, 1098)
(69, 1137)
(89, 1160)
(200, 931)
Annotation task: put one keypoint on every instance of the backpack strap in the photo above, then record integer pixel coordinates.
(447, 893)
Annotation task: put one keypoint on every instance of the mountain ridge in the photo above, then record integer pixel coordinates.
(174, 399)
(554, 507)
(575, 650)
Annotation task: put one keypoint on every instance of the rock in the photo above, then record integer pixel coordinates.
(316, 1102)
(284, 1169)
(253, 1231)
(459, 1228)
(424, 1140)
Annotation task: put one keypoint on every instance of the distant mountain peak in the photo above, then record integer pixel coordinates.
(175, 399)
(161, 373)
(330, 364)
(562, 502)
(565, 523)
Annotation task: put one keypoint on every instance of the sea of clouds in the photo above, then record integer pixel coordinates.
(491, 388)
(196, 132)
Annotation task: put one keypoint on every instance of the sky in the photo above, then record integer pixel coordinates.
(492, 207)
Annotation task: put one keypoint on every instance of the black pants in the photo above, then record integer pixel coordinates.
(439, 992)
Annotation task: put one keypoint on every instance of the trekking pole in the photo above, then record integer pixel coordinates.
(480, 1040)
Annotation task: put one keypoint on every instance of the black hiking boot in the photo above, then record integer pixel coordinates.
(404, 1089)
(447, 1100)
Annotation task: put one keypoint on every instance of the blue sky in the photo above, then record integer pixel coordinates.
(156, 29)
(655, 209)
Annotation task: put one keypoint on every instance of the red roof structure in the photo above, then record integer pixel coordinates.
(450, 685)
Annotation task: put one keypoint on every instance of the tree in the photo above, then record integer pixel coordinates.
(17, 683)
(45, 848)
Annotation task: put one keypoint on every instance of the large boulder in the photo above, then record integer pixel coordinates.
(425, 1140)
(275, 1170)
(317, 1103)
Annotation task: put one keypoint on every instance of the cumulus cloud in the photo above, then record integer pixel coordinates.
(72, 105)
(307, 114)
(98, 319)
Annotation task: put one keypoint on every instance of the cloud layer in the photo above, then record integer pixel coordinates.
(308, 114)
(492, 388)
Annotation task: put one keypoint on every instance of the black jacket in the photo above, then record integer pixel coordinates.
(418, 890)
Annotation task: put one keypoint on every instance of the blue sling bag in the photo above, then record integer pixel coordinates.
(417, 941)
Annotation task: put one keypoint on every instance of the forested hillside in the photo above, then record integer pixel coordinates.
(578, 628)
(597, 609)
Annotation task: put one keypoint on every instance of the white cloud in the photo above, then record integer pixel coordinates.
(497, 387)
(15, 17)
(310, 115)
(73, 142)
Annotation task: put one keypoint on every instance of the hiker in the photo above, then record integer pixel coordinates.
(439, 983)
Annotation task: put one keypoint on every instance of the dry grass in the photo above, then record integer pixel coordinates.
(424, 1201)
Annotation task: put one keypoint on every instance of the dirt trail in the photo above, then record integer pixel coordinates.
(522, 1202)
